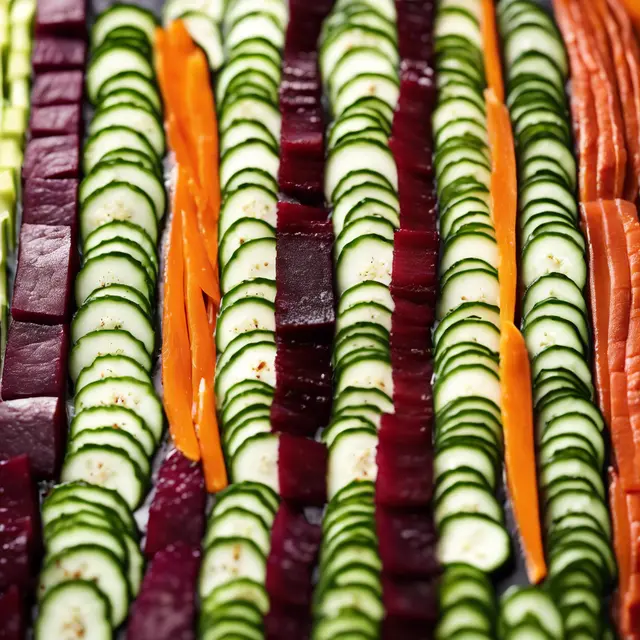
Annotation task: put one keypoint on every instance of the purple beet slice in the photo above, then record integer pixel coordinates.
(302, 177)
(166, 606)
(407, 541)
(57, 87)
(56, 120)
(52, 202)
(18, 499)
(302, 129)
(396, 628)
(302, 468)
(35, 362)
(305, 20)
(16, 554)
(177, 509)
(415, 265)
(405, 460)
(36, 427)
(284, 622)
(411, 324)
(304, 275)
(410, 598)
(42, 291)
(58, 54)
(410, 156)
(62, 17)
(300, 411)
(294, 548)
(54, 157)
(293, 216)
(12, 615)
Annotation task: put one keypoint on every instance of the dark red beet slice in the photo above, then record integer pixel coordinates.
(304, 274)
(58, 54)
(410, 598)
(57, 87)
(18, 499)
(56, 120)
(36, 427)
(62, 17)
(54, 157)
(177, 509)
(52, 202)
(415, 29)
(405, 460)
(305, 20)
(35, 362)
(294, 548)
(411, 325)
(12, 615)
(302, 177)
(293, 216)
(42, 291)
(407, 541)
(166, 606)
(415, 265)
(285, 623)
(302, 468)
(303, 129)
(299, 412)
(412, 157)
(394, 628)
(16, 554)
(418, 201)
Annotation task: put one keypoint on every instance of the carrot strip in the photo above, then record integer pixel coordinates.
(491, 49)
(622, 434)
(631, 50)
(621, 529)
(633, 10)
(627, 99)
(520, 459)
(203, 357)
(176, 369)
(202, 121)
(585, 123)
(612, 154)
(504, 200)
(599, 302)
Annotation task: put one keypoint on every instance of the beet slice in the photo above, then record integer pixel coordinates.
(177, 509)
(18, 496)
(410, 598)
(52, 202)
(410, 156)
(58, 54)
(284, 622)
(302, 470)
(56, 120)
(302, 177)
(395, 628)
(12, 615)
(36, 427)
(304, 274)
(294, 549)
(42, 291)
(305, 20)
(35, 362)
(293, 216)
(411, 324)
(166, 606)
(415, 28)
(407, 542)
(16, 554)
(302, 128)
(405, 459)
(57, 87)
(299, 411)
(415, 265)
(54, 157)
(62, 17)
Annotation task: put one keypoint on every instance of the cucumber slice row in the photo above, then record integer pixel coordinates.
(569, 427)
(238, 539)
(359, 63)
(93, 566)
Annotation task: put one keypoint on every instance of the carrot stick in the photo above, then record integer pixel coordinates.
(599, 302)
(203, 357)
(520, 459)
(621, 532)
(633, 11)
(176, 369)
(491, 49)
(203, 124)
(504, 200)
(583, 111)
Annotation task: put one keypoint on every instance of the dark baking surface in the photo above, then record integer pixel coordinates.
(515, 573)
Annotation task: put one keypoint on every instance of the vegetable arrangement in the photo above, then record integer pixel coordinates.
(438, 206)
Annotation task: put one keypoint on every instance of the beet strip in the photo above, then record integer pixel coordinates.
(404, 486)
(305, 321)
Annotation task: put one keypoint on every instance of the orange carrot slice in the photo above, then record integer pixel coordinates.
(504, 200)
(176, 366)
(492, 62)
(520, 459)
(599, 298)
(621, 532)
